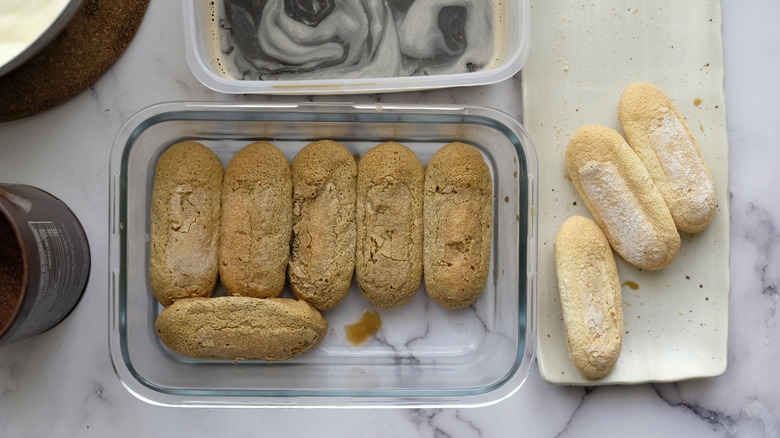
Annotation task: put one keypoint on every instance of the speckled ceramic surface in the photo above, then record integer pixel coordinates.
(584, 54)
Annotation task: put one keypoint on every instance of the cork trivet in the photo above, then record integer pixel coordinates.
(98, 34)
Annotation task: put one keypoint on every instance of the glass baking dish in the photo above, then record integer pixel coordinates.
(423, 355)
(367, 58)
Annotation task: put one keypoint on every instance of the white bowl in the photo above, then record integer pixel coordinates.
(27, 26)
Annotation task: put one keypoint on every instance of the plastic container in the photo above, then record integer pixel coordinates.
(44, 261)
(423, 355)
(207, 51)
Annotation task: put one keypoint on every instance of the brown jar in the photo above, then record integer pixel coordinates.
(44, 261)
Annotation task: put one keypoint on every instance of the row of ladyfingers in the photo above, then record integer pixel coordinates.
(313, 223)
(320, 220)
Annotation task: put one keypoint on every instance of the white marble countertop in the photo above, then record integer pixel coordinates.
(61, 383)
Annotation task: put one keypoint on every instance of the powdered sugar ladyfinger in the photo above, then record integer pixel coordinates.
(591, 300)
(622, 197)
(659, 134)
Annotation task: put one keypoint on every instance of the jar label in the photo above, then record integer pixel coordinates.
(58, 273)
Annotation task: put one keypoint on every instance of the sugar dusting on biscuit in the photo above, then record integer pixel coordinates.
(687, 175)
(659, 133)
(621, 212)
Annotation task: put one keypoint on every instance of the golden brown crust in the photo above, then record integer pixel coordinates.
(659, 134)
(388, 260)
(184, 223)
(256, 222)
(241, 328)
(322, 262)
(622, 198)
(590, 296)
(458, 219)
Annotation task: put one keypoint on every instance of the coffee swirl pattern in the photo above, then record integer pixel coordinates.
(326, 39)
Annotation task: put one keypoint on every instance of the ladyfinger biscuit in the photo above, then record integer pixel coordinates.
(184, 223)
(622, 198)
(256, 222)
(322, 262)
(590, 296)
(388, 259)
(659, 134)
(458, 217)
(241, 328)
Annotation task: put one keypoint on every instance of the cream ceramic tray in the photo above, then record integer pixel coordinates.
(584, 54)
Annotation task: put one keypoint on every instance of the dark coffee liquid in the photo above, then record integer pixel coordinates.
(11, 273)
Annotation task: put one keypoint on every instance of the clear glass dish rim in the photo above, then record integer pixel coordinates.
(322, 398)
